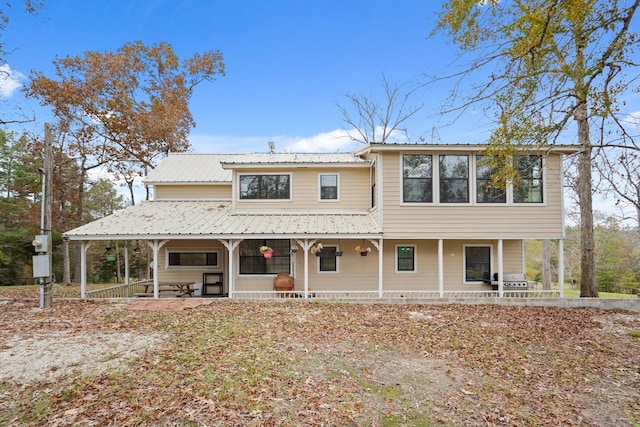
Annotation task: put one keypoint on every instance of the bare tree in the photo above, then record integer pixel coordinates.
(373, 121)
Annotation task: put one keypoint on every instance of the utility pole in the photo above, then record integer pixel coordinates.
(42, 262)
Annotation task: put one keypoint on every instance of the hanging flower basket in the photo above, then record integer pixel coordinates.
(266, 251)
(316, 249)
(362, 251)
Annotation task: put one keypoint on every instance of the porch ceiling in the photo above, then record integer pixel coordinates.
(214, 219)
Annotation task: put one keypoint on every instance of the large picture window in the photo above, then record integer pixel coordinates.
(252, 261)
(417, 178)
(454, 178)
(528, 185)
(405, 258)
(477, 263)
(265, 187)
(192, 259)
(485, 191)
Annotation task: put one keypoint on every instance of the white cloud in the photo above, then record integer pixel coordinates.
(9, 80)
(332, 141)
(633, 120)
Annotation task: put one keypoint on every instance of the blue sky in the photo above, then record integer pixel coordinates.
(288, 62)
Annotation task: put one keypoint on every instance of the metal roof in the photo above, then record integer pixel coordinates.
(273, 159)
(214, 219)
(191, 168)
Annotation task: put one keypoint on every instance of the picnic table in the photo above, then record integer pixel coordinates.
(178, 289)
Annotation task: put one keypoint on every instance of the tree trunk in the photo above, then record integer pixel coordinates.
(546, 264)
(587, 259)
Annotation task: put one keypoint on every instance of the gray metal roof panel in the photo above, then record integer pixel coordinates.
(191, 168)
(184, 219)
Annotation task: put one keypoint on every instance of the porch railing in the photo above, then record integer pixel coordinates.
(388, 295)
(121, 291)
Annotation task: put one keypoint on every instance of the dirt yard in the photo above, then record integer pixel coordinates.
(303, 363)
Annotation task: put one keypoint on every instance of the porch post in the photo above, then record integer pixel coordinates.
(561, 267)
(380, 271)
(441, 267)
(84, 247)
(231, 246)
(500, 269)
(306, 245)
(156, 281)
(126, 266)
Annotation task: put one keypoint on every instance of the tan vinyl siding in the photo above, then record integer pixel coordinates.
(192, 192)
(190, 274)
(358, 273)
(472, 220)
(355, 273)
(305, 192)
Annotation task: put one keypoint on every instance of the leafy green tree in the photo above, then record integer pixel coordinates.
(19, 208)
(554, 68)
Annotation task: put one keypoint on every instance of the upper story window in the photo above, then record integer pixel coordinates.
(374, 178)
(329, 186)
(454, 178)
(265, 187)
(528, 185)
(417, 178)
(485, 191)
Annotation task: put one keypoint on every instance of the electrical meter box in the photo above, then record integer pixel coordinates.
(41, 266)
(41, 243)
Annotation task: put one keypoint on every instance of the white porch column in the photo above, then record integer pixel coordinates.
(126, 268)
(306, 246)
(380, 271)
(231, 246)
(84, 247)
(441, 267)
(561, 267)
(156, 245)
(500, 268)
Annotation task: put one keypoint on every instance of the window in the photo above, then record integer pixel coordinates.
(193, 259)
(417, 178)
(254, 262)
(328, 186)
(485, 191)
(528, 185)
(373, 185)
(454, 178)
(477, 263)
(406, 258)
(265, 187)
(328, 261)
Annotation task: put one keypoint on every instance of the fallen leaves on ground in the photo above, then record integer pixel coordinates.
(309, 363)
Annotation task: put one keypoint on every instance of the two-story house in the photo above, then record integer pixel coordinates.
(388, 220)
